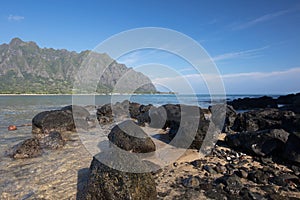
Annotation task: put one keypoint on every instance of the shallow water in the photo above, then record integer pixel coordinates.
(57, 174)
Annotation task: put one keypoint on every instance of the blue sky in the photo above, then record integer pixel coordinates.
(255, 44)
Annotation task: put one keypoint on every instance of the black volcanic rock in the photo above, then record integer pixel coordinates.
(27, 149)
(52, 141)
(264, 119)
(261, 143)
(56, 120)
(288, 99)
(105, 114)
(130, 137)
(253, 103)
(223, 116)
(107, 180)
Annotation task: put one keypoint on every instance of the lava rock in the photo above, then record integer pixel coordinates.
(288, 99)
(27, 149)
(56, 120)
(232, 183)
(107, 180)
(191, 182)
(52, 141)
(253, 103)
(264, 119)
(78, 112)
(196, 163)
(292, 150)
(134, 110)
(130, 137)
(209, 169)
(259, 143)
(258, 176)
(284, 179)
(104, 114)
(223, 116)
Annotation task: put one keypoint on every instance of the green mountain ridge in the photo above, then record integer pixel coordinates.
(27, 68)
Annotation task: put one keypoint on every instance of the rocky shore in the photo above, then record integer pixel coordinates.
(247, 149)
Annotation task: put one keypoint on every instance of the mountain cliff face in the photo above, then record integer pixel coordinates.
(26, 68)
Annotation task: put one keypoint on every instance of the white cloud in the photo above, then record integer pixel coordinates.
(285, 81)
(263, 18)
(239, 54)
(15, 18)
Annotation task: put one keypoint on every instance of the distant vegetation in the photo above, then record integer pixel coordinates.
(26, 68)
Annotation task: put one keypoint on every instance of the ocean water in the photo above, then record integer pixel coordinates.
(56, 175)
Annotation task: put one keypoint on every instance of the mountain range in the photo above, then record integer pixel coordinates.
(27, 68)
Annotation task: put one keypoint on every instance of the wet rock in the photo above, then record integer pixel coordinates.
(259, 143)
(106, 182)
(191, 182)
(52, 141)
(56, 120)
(78, 112)
(264, 119)
(27, 149)
(253, 103)
(130, 137)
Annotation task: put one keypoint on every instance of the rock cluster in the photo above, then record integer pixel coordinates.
(109, 177)
(47, 129)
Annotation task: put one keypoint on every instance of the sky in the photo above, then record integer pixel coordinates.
(255, 45)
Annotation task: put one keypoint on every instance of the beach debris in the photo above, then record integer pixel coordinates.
(12, 127)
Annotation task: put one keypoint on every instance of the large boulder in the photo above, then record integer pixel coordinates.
(130, 137)
(187, 125)
(253, 103)
(264, 119)
(260, 143)
(107, 180)
(56, 120)
(27, 149)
